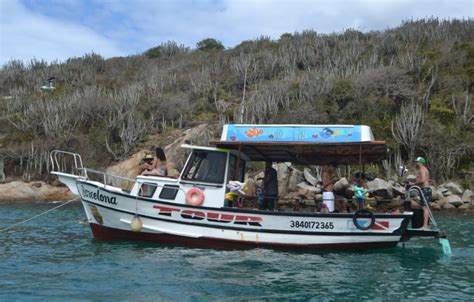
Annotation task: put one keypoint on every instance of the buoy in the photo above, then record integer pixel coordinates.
(136, 224)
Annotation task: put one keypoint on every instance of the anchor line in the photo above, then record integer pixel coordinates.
(38, 215)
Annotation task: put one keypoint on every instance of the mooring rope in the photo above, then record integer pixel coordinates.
(38, 215)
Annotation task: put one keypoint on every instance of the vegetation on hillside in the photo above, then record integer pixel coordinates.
(412, 84)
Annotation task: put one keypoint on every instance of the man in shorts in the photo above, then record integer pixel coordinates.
(423, 181)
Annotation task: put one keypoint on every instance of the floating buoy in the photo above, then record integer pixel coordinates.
(136, 224)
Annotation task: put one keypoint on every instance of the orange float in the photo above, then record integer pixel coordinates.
(195, 196)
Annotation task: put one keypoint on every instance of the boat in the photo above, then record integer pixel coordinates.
(190, 210)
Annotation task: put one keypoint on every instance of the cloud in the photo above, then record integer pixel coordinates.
(60, 29)
(25, 35)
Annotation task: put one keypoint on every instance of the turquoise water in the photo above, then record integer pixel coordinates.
(55, 258)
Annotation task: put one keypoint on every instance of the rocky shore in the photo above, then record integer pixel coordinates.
(302, 189)
(20, 191)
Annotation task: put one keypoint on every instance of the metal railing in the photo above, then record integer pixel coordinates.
(61, 161)
(422, 196)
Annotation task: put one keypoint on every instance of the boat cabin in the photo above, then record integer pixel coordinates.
(207, 171)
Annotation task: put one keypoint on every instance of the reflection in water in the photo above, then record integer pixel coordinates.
(56, 258)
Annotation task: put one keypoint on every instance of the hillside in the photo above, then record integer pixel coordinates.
(412, 84)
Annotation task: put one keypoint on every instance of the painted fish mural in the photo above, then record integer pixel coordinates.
(254, 132)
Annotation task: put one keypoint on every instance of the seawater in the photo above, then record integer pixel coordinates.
(55, 258)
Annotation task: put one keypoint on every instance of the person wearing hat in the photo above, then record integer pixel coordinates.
(158, 164)
(146, 164)
(423, 181)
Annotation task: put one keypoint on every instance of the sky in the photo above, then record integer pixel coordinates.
(60, 29)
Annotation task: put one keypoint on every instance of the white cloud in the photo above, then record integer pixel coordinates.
(25, 35)
(111, 27)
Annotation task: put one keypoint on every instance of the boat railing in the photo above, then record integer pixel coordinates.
(67, 162)
(107, 179)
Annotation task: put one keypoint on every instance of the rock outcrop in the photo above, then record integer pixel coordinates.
(19, 191)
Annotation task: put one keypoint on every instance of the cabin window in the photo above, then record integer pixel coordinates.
(147, 190)
(206, 166)
(233, 166)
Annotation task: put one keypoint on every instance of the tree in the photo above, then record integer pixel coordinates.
(209, 44)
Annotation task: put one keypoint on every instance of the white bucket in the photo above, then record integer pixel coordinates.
(328, 200)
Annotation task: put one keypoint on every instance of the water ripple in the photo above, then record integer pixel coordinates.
(56, 259)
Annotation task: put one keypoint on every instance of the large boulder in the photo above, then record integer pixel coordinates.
(465, 207)
(455, 200)
(310, 188)
(453, 187)
(448, 206)
(288, 178)
(398, 190)
(19, 191)
(309, 177)
(442, 201)
(435, 207)
(467, 196)
(411, 178)
(380, 188)
(199, 135)
(341, 185)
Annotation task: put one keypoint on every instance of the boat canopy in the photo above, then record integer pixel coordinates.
(304, 144)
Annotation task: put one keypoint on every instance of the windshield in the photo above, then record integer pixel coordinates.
(206, 166)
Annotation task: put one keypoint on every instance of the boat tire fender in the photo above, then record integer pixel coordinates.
(363, 213)
(195, 196)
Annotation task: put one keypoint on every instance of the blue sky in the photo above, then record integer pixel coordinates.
(59, 29)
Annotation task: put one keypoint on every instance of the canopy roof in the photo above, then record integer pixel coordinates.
(310, 153)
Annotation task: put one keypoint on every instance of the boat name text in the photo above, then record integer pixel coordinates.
(97, 195)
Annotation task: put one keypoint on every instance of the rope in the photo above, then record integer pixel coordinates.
(40, 214)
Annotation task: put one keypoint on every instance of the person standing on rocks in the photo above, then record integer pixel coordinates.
(423, 181)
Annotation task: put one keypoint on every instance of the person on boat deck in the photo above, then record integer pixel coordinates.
(146, 163)
(423, 181)
(360, 180)
(270, 188)
(158, 167)
(328, 180)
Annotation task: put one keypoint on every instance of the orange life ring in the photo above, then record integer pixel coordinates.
(195, 196)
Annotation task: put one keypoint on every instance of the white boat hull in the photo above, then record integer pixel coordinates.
(110, 215)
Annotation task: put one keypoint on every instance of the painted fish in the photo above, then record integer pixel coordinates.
(327, 133)
(253, 132)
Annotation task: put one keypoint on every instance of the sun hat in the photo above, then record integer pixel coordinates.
(148, 156)
(420, 159)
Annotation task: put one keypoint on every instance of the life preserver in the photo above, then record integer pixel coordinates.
(195, 196)
(363, 213)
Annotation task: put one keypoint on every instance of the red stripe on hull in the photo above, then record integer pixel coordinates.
(105, 233)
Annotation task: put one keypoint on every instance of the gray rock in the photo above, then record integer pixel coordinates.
(442, 201)
(438, 194)
(467, 196)
(465, 206)
(453, 187)
(455, 200)
(309, 177)
(288, 177)
(435, 207)
(341, 185)
(380, 187)
(448, 206)
(306, 186)
(398, 190)
(411, 178)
